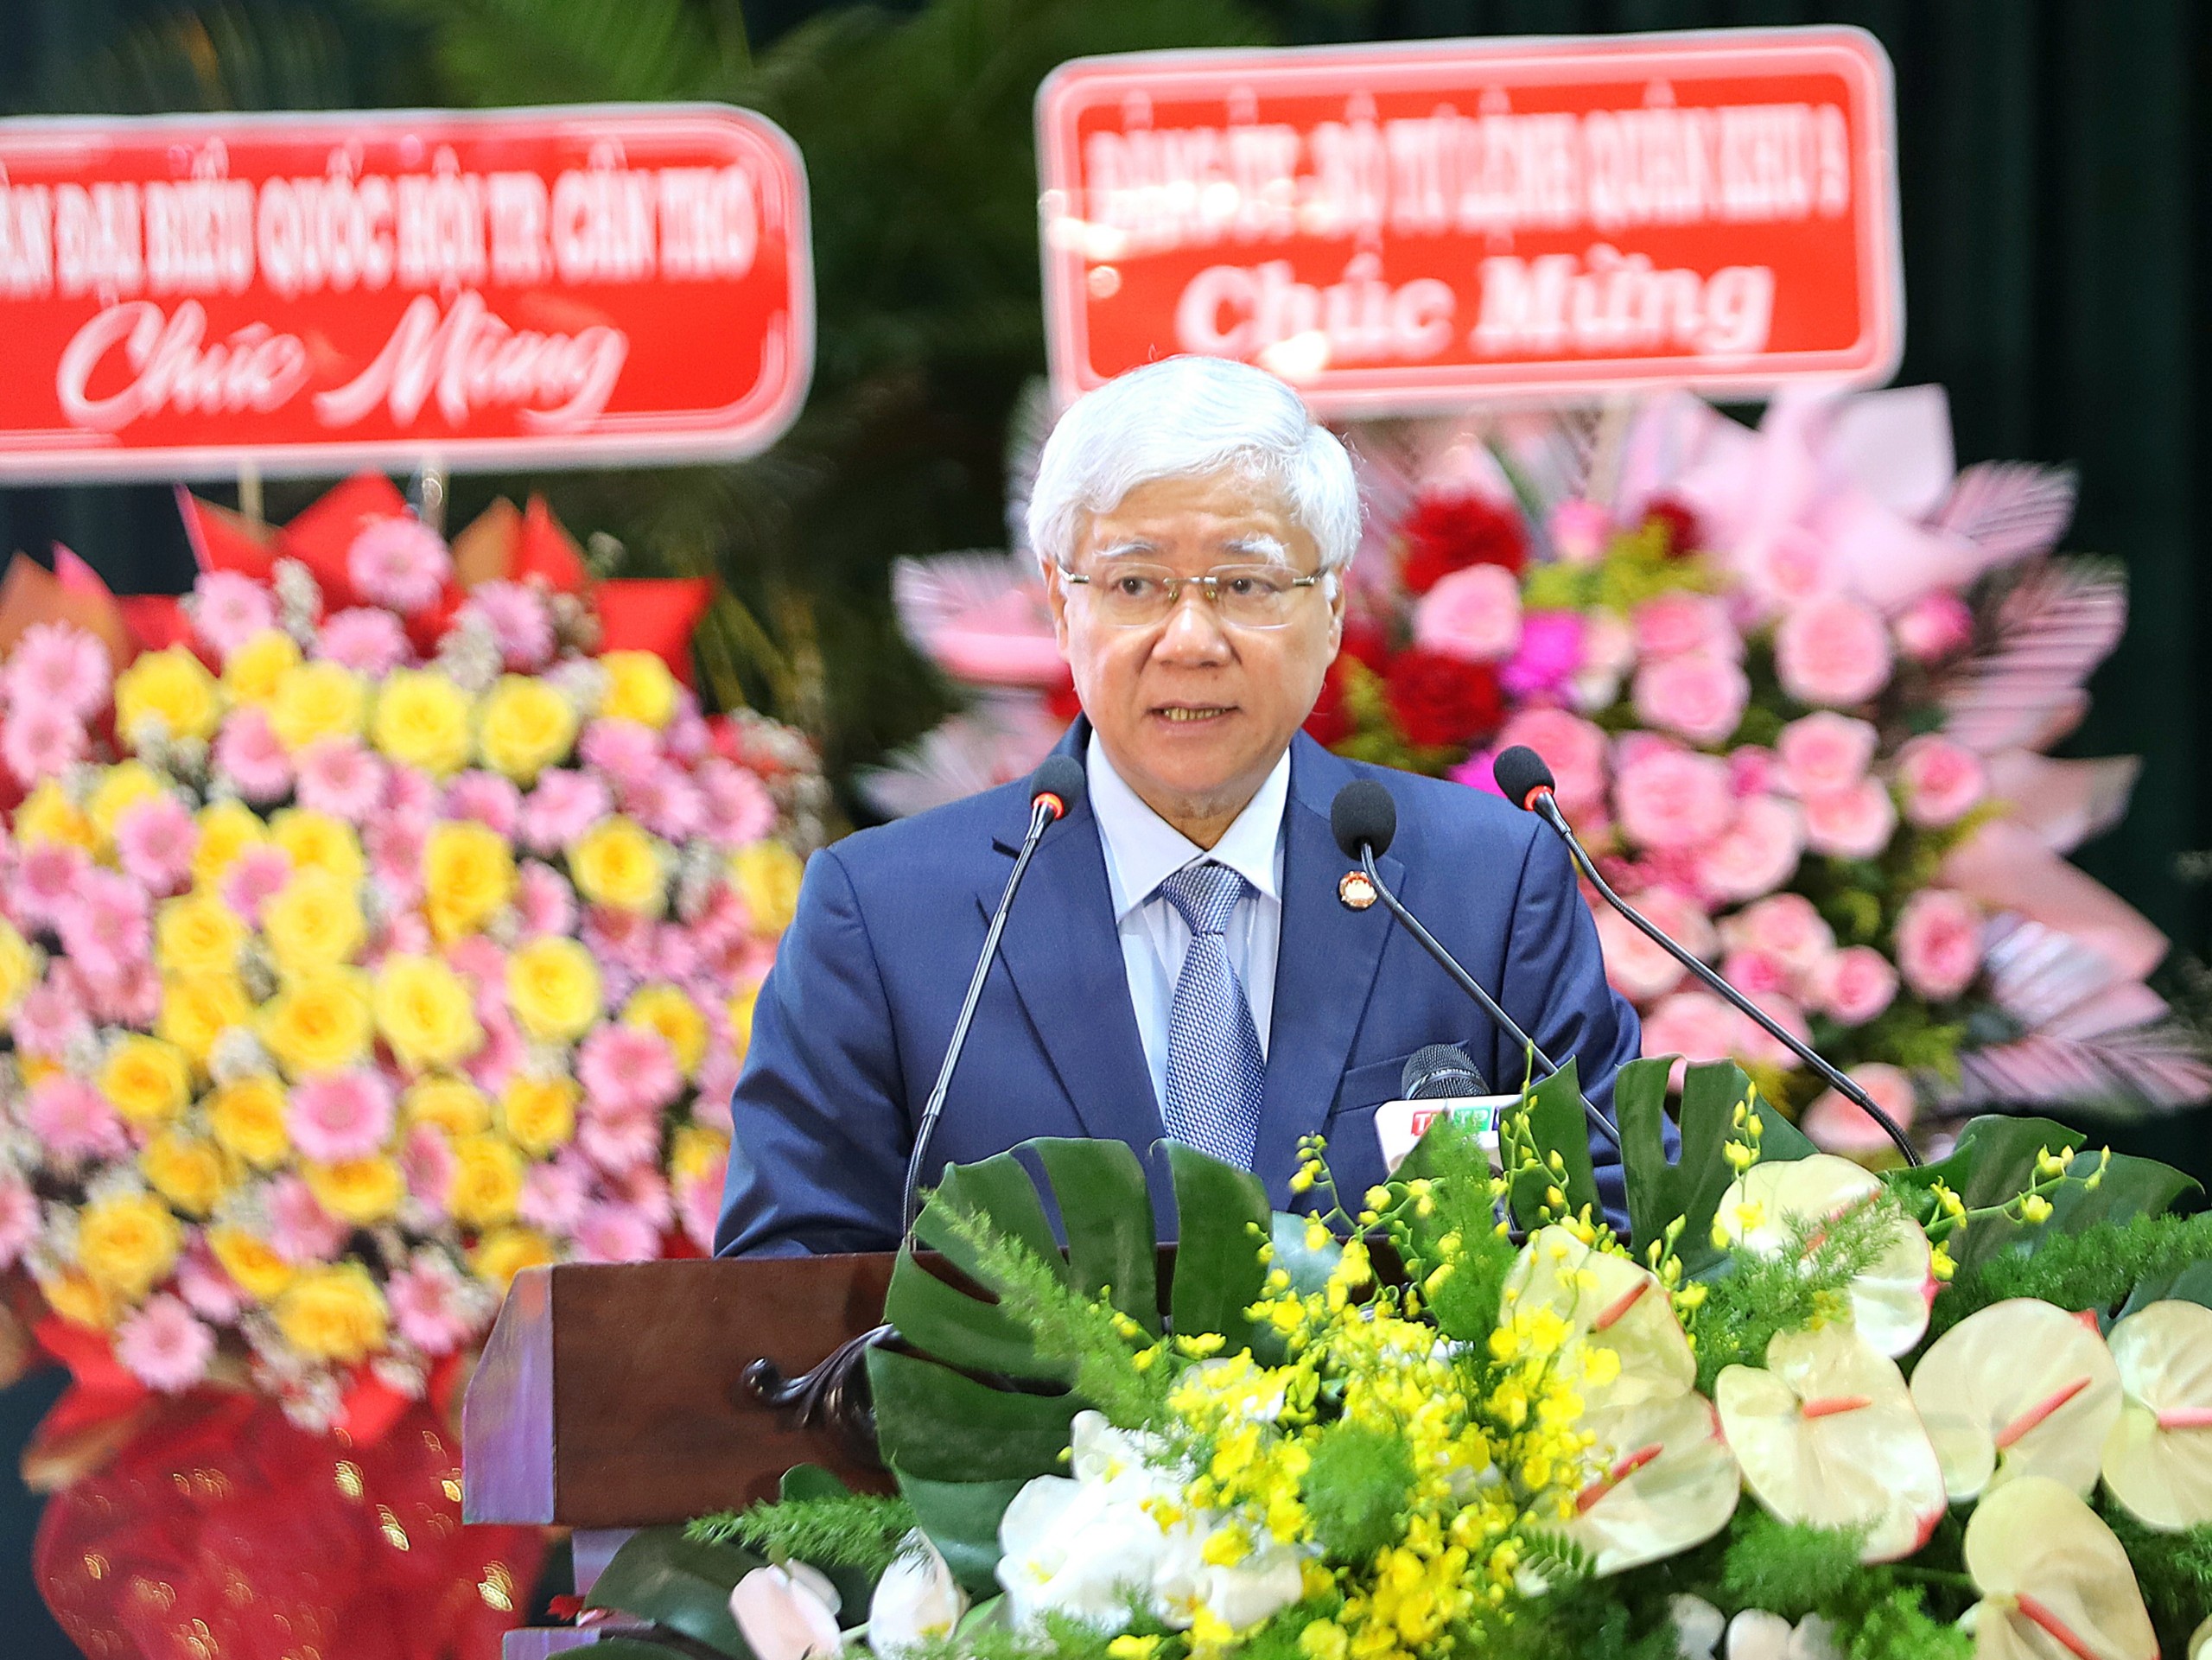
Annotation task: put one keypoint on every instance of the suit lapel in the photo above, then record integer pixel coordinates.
(1325, 968)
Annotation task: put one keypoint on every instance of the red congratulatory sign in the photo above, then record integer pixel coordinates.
(1407, 228)
(310, 293)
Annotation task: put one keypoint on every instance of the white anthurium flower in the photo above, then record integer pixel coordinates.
(916, 1598)
(2200, 1640)
(2053, 1580)
(1826, 1433)
(1086, 1545)
(1756, 1634)
(2157, 1458)
(783, 1615)
(1890, 1302)
(1669, 1482)
(1698, 1626)
(1612, 1303)
(2020, 1388)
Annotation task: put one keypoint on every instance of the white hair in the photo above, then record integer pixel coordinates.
(1185, 417)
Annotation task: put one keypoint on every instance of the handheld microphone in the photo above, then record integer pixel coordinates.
(1054, 789)
(1528, 783)
(1364, 818)
(1440, 1072)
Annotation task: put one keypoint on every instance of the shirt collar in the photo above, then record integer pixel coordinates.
(1143, 849)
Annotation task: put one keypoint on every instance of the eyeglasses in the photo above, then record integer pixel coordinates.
(1244, 597)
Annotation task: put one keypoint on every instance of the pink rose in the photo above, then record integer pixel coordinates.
(1474, 614)
(1853, 823)
(1832, 650)
(1755, 855)
(1694, 1024)
(1757, 1047)
(1857, 984)
(1754, 973)
(1785, 927)
(1579, 531)
(1697, 696)
(1636, 968)
(1942, 781)
(1837, 1125)
(1669, 798)
(1933, 626)
(1939, 944)
(1608, 650)
(1753, 771)
(1573, 748)
(1678, 623)
(1824, 752)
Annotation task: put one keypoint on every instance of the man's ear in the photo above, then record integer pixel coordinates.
(1056, 596)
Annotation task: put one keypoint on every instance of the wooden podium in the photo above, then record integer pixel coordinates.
(615, 1398)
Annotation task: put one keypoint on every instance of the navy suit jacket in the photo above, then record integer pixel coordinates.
(851, 1022)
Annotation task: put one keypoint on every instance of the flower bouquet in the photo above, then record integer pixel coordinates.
(379, 919)
(1955, 1410)
(1795, 684)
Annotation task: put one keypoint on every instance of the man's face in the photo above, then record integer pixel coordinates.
(1193, 714)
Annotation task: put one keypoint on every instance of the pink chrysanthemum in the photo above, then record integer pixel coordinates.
(299, 1230)
(42, 740)
(164, 1344)
(627, 1068)
(739, 809)
(229, 609)
(249, 753)
(155, 840)
(345, 1115)
(518, 620)
(687, 736)
(395, 847)
(255, 877)
(59, 665)
(614, 1233)
(643, 1190)
(369, 642)
(561, 808)
(132, 997)
(409, 794)
(676, 954)
(426, 1159)
(622, 1141)
(72, 1119)
(699, 1205)
(50, 1018)
(502, 1052)
(488, 799)
(619, 939)
(430, 1304)
(553, 1194)
(104, 924)
(399, 561)
(19, 1218)
(210, 1291)
(340, 777)
(45, 879)
(666, 803)
(543, 902)
(627, 751)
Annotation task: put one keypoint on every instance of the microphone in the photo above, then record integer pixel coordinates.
(1528, 783)
(1440, 1072)
(1055, 788)
(1364, 818)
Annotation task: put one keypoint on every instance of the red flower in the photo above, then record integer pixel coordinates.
(1366, 640)
(1679, 521)
(1447, 533)
(1330, 723)
(1441, 701)
(1063, 703)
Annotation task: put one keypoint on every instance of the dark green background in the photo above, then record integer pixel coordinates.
(2053, 154)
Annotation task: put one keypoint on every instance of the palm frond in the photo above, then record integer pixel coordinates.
(1002, 738)
(512, 51)
(1026, 430)
(217, 59)
(2057, 620)
(2157, 1068)
(2010, 510)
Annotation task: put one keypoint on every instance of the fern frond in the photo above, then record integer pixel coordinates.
(2010, 510)
(2057, 620)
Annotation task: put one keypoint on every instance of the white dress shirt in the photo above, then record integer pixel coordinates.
(1142, 850)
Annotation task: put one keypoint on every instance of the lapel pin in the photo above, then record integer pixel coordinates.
(1354, 891)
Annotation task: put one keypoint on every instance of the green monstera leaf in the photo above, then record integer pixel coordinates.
(1690, 1187)
(679, 1583)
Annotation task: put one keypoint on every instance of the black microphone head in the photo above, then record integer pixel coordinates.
(1362, 814)
(1439, 1070)
(1520, 773)
(1061, 779)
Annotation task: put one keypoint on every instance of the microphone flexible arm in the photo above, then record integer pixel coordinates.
(1541, 802)
(1466, 982)
(1042, 811)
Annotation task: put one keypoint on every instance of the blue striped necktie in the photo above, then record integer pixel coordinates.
(1215, 1070)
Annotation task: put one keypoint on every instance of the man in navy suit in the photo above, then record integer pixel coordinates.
(1178, 961)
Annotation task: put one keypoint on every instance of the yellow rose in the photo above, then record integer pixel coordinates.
(487, 1182)
(149, 1080)
(252, 673)
(246, 1116)
(314, 922)
(616, 863)
(469, 875)
(360, 1190)
(423, 1010)
(169, 691)
(766, 876)
(48, 815)
(333, 1314)
(19, 968)
(499, 1257)
(127, 1243)
(318, 840)
(185, 1170)
(740, 1021)
(250, 1261)
(121, 788)
(539, 1113)
(639, 688)
(197, 1008)
(74, 1294)
(317, 700)
(197, 933)
(553, 988)
(454, 1104)
(526, 728)
(666, 1009)
(422, 721)
(318, 1022)
(227, 829)
(696, 1151)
